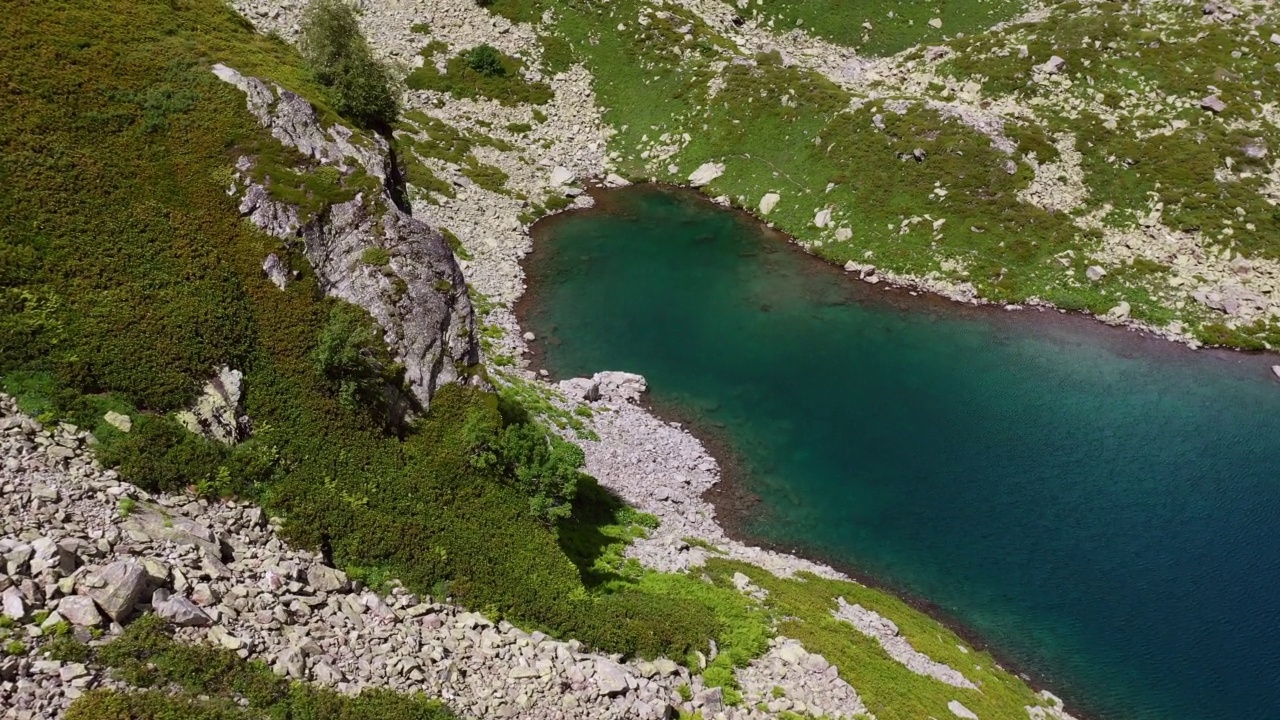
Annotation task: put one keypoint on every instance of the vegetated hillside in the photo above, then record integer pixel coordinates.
(1110, 157)
(128, 277)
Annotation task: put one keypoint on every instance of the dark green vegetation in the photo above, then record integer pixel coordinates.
(482, 71)
(486, 60)
(338, 56)
(127, 276)
(174, 681)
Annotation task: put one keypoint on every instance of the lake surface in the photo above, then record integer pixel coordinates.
(1102, 509)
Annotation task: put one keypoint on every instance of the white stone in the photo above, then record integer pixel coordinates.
(961, 711)
(1213, 104)
(822, 218)
(1095, 273)
(615, 181)
(935, 23)
(768, 202)
(1054, 65)
(15, 608)
(705, 173)
(118, 420)
(843, 234)
(1275, 370)
(560, 175)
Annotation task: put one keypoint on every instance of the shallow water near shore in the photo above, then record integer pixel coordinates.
(1101, 508)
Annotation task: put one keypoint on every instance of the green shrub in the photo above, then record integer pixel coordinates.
(486, 60)
(351, 354)
(159, 455)
(338, 55)
(544, 467)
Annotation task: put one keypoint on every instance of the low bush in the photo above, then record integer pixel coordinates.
(486, 60)
(160, 455)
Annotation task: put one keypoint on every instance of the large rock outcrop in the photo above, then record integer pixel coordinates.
(418, 295)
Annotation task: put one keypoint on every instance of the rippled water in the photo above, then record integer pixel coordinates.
(1102, 509)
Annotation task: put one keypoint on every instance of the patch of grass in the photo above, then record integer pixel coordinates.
(455, 244)
(376, 256)
(536, 398)
(804, 605)
(700, 543)
(500, 78)
(488, 177)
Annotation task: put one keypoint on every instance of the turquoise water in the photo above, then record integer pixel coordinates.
(1100, 508)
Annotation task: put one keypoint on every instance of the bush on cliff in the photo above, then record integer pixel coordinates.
(337, 53)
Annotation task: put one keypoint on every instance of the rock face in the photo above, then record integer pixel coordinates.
(419, 297)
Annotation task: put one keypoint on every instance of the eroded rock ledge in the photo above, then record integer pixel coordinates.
(418, 295)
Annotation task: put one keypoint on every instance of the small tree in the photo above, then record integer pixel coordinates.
(339, 58)
(486, 60)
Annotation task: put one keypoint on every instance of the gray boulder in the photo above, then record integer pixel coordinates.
(117, 588)
(1213, 104)
(179, 610)
(710, 700)
(611, 679)
(80, 610)
(217, 414)
(325, 579)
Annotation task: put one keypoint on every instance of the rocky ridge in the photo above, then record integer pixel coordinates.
(418, 295)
